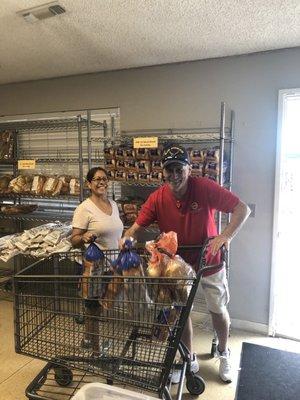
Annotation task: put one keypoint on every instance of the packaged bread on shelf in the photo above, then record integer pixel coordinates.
(21, 184)
(131, 176)
(143, 177)
(196, 168)
(131, 165)
(4, 183)
(156, 165)
(110, 164)
(50, 185)
(156, 154)
(74, 186)
(120, 165)
(143, 166)
(109, 153)
(120, 176)
(212, 155)
(120, 153)
(156, 177)
(38, 184)
(142, 154)
(212, 168)
(129, 154)
(197, 155)
(111, 175)
(130, 208)
(64, 186)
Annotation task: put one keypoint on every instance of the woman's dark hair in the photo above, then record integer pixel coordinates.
(90, 175)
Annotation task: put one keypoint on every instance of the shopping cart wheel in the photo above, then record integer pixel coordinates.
(109, 381)
(195, 385)
(63, 376)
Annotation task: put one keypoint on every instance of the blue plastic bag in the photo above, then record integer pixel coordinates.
(127, 258)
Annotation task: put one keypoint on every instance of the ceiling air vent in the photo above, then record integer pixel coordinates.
(42, 11)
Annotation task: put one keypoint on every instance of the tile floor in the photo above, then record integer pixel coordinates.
(17, 371)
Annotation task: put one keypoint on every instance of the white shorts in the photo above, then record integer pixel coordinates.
(216, 292)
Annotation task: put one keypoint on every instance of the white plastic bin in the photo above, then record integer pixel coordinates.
(101, 391)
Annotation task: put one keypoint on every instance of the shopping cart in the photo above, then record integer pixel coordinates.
(133, 337)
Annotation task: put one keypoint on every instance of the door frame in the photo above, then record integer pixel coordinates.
(282, 95)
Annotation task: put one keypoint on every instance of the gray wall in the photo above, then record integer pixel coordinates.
(189, 95)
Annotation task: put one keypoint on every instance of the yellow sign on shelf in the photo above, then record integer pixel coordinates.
(26, 164)
(145, 142)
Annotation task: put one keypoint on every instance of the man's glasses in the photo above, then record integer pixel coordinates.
(100, 179)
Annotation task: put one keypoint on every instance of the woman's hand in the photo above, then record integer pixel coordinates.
(88, 237)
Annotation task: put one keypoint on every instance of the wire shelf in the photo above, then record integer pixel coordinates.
(52, 125)
(39, 216)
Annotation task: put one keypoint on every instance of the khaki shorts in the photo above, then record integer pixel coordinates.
(216, 292)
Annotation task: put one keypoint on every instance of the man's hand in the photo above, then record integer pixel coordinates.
(123, 240)
(217, 242)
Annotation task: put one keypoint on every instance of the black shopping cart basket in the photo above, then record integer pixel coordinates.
(128, 336)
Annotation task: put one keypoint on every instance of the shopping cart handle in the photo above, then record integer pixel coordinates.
(223, 261)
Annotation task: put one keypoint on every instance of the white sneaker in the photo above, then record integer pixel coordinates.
(225, 367)
(176, 374)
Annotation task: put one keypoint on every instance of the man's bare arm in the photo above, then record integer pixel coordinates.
(238, 217)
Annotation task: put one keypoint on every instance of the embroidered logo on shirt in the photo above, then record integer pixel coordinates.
(194, 206)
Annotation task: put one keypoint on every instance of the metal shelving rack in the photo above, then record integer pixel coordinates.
(52, 208)
(221, 136)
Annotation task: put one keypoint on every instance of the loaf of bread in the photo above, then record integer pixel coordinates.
(120, 153)
(131, 176)
(74, 186)
(120, 165)
(197, 155)
(143, 177)
(142, 154)
(111, 174)
(143, 166)
(129, 153)
(109, 153)
(64, 187)
(155, 154)
(156, 165)
(110, 164)
(50, 185)
(38, 184)
(212, 155)
(131, 165)
(196, 168)
(120, 176)
(21, 184)
(156, 177)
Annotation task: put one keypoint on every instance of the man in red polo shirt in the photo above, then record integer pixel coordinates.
(187, 205)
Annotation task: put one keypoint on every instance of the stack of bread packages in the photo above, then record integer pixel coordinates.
(6, 145)
(134, 165)
(212, 165)
(128, 283)
(197, 157)
(174, 279)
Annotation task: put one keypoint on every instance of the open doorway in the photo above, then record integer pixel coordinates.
(284, 296)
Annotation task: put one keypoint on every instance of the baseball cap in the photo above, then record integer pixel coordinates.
(175, 154)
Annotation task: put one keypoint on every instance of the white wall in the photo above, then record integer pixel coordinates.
(187, 95)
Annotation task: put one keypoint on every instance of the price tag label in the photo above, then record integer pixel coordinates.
(26, 164)
(145, 142)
